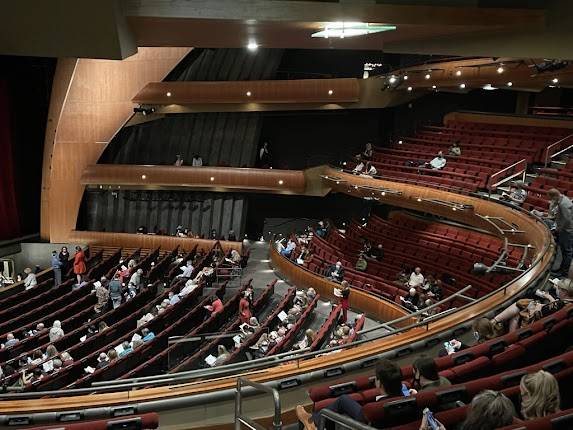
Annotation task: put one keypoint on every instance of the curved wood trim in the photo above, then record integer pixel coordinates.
(534, 233)
(149, 241)
(222, 179)
(275, 91)
(379, 308)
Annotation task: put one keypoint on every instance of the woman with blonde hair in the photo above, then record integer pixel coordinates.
(539, 395)
(483, 330)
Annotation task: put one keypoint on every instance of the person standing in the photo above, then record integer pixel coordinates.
(265, 156)
(345, 300)
(79, 264)
(115, 291)
(244, 308)
(57, 268)
(562, 207)
(64, 257)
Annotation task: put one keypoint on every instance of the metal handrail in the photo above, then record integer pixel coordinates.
(491, 186)
(341, 420)
(240, 419)
(553, 145)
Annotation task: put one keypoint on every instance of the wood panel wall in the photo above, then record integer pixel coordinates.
(91, 100)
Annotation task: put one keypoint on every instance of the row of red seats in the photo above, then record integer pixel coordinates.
(468, 125)
(207, 348)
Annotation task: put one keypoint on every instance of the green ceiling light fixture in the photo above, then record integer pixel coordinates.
(343, 29)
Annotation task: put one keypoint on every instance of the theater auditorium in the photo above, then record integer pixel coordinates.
(286, 214)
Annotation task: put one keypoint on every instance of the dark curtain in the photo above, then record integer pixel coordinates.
(9, 219)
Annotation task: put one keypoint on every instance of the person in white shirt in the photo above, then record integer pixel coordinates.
(416, 278)
(190, 285)
(370, 170)
(30, 280)
(56, 331)
(179, 161)
(173, 298)
(359, 166)
(438, 162)
(187, 270)
(197, 161)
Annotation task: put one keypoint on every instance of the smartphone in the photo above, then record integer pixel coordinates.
(431, 420)
(405, 391)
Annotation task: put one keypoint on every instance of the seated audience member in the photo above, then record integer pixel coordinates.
(517, 194)
(366, 154)
(30, 280)
(102, 326)
(222, 355)
(304, 256)
(489, 410)
(190, 285)
(426, 375)
(287, 250)
(112, 354)
(539, 395)
(361, 263)
(173, 298)
(322, 229)
(10, 340)
(178, 161)
(102, 361)
(336, 272)
(56, 331)
(300, 299)
(92, 331)
(231, 236)
(483, 330)
(307, 340)
(388, 382)
(360, 165)
(215, 307)
(187, 270)
(370, 170)
(197, 161)
(127, 349)
(455, 149)
(416, 278)
(265, 156)
(411, 300)
(147, 335)
(435, 291)
(51, 351)
(66, 358)
(250, 328)
(147, 317)
(235, 257)
(437, 163)
(310, 294)
(377, 252)
(525, 311)
(37, 357)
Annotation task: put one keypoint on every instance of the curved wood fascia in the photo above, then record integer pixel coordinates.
(148, 241)
(533, 232)
(222, 179)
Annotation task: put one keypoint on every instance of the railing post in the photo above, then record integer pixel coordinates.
(238, 405)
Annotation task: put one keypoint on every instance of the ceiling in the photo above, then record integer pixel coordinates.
(113, 29)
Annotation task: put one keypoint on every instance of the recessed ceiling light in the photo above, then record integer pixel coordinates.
(419, 199)
(400, 142)
(143, 176)
(350, 29)
(330, 92)
(405, 77)
(212, 178)
(554, 80)
(252, 46)
(248, 94)
(509, 84)
(500, 69)
(462, 86)
(427, 76)
(409, 88)
(458, 73)
(392, 79)
(281, 182)
(489, 87)
(168, 94)
(433, 87)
